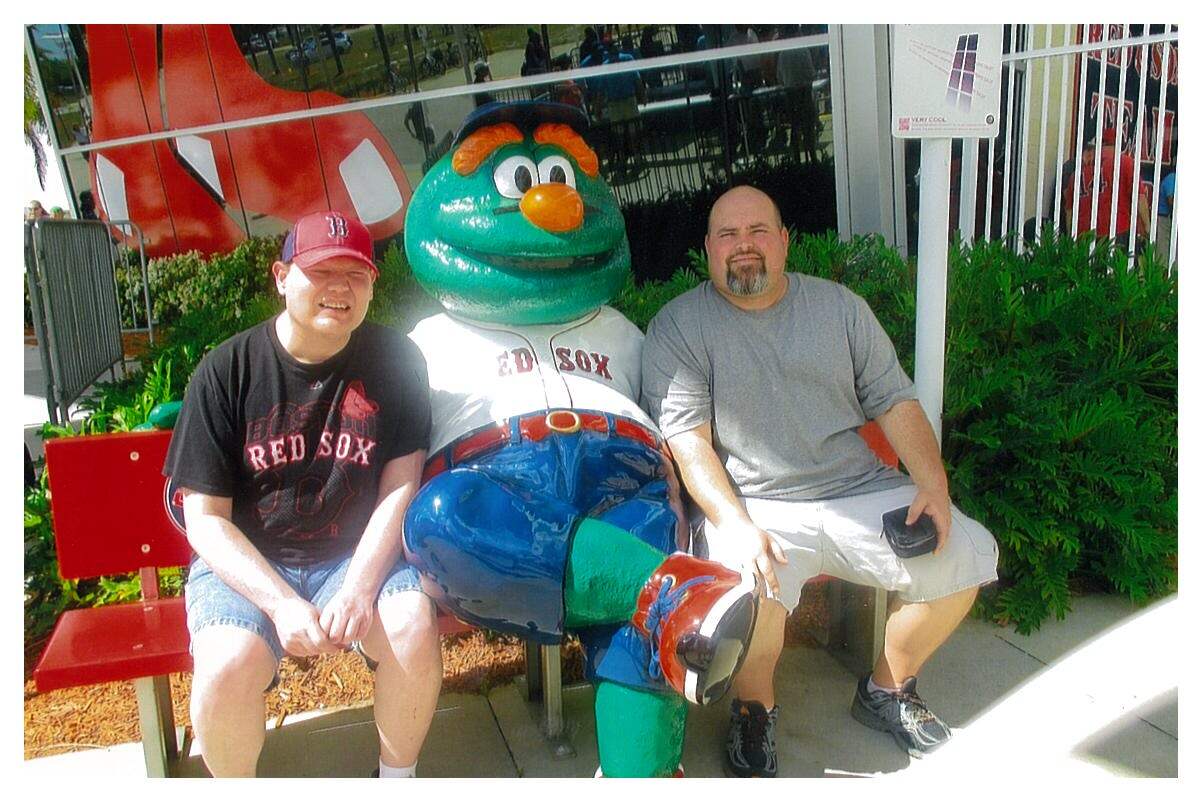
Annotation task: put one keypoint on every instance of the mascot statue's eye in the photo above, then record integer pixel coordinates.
(556, 169)
(515, 176)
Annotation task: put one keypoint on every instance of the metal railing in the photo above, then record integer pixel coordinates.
(71, 267)
(695, 125)
(1053, 118)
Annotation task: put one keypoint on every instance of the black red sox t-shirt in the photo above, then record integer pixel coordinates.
(300, 447)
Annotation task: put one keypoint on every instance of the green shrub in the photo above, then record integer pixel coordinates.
(46, 594)
(640, 303)
(123, 405)
(1060, 419)
(189, 282)
(399, 301)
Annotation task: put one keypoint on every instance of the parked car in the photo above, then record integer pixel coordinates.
(317, 47)
(260, 40)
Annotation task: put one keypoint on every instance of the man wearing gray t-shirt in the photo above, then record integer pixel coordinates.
(760, 380)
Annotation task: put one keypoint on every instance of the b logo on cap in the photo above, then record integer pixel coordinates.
(337, 226)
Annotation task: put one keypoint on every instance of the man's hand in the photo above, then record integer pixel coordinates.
(298, 623)
(760, 551)
(348, 616)
(907, 429)
(937, 505)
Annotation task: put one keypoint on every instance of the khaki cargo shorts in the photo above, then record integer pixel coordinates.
(843, 537)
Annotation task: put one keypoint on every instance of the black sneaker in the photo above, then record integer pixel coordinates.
(750, 748)
(903, 714)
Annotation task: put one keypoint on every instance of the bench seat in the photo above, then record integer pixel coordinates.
(130, 641)
(115, 643)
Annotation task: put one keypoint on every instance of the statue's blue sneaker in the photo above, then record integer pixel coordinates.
(903, 714)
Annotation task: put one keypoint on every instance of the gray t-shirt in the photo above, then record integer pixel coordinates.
(785, 388)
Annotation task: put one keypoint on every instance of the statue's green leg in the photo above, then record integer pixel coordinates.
(639, 734)
(606, 569)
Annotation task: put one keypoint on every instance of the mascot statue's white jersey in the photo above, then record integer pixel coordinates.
(481, 373)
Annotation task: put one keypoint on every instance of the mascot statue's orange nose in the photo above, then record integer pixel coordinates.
(554, 207)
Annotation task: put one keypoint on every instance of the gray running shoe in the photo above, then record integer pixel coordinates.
(903, 714)
(750, 748)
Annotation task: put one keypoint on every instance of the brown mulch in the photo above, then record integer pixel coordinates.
(88, 717)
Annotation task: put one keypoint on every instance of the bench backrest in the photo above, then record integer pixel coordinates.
(107, 502)
(872, 434)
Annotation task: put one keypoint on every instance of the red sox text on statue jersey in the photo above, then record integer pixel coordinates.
(522, 360)
(482, 374)
(325, 444)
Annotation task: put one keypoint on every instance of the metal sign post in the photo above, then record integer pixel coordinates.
(945, 85)
(932, 250)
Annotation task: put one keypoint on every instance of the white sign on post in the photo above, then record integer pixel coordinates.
(946, 81)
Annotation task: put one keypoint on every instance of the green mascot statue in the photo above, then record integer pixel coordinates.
(549, 502)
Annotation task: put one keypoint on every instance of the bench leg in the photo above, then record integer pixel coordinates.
(550, 660)
(543, 683)
(879, 624)
(858, 620)
(553, 724)
(157, 721)
(533, 672)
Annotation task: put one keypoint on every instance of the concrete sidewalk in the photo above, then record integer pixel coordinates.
(1093, 694)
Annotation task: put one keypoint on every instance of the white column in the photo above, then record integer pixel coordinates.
(861, 82)
(934, 217)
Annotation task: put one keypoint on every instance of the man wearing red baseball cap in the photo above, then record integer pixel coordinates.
(298, 448)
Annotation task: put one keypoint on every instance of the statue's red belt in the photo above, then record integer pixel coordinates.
(535, 428)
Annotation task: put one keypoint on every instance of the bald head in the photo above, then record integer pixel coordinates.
(744, 199)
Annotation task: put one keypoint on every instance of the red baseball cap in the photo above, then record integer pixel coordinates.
(328, 234)
(1109, 136)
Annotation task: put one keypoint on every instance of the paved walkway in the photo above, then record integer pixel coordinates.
(1095, 694)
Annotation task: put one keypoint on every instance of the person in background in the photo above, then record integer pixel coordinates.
(749, 67)
(767, 61)
(87, 205)
(1109, 159)
(34, 211)
(590, 47)
(537, 60)
(414, 123)
(1166, 210)
(483, 74)
(794, 72)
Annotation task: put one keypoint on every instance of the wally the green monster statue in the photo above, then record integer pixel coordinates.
(549, 502)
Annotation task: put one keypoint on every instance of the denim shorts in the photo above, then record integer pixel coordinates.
(210, 601)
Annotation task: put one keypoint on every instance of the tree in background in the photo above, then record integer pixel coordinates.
(35, 126)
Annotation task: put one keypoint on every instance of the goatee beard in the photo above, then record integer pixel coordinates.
(749, 282)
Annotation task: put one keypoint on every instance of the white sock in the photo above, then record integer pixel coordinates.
(397, 772)
(872, 686)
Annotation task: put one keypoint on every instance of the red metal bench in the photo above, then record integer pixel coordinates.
(107, 495)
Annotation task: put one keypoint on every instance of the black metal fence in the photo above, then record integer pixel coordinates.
(71, 268)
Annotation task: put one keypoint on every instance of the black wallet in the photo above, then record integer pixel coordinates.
(909, 541)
